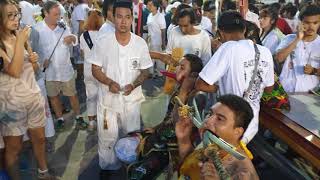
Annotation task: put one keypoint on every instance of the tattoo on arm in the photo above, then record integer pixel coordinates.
(99, 75)
(239, 172)
(141, 78)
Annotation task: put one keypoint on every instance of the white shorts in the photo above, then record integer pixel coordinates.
(118, 125)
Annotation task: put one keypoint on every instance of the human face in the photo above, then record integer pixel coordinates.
(185, 25)
(123, 19)
(265, 22)
(183, 70)
(151, 7)
(311, 25)
(221, 122)
(53, 16)
(12, 17)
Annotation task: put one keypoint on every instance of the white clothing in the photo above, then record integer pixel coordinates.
(117, 128)
(90, 82)
(304, 53)
(293, 23)
(253, 17)
(60, 67)
(272, 40)
(122, 64)
(171, 26)
(198, 44)
(232, 66)
(79, 13)
(107, 27)
(206, 24)
(155, 24)
(27, 11)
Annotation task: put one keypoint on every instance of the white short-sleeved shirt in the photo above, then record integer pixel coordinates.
(155, 24)
(304, 53)
(27, 11)
(171, 26)
(88, 53)
(253, 17)
(198, 44)
(206, 24)
(60, 67)
(232, 66)
(122, 64)
(107, 27)
(79, 13)
(272, 40)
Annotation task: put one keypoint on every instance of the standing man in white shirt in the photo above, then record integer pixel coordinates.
(156, 24)
(232, 67)
(301, 53)
(60, 75)
(121, 64)
(189, 38)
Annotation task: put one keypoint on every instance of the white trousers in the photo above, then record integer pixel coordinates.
(91, 92)
(118, 125)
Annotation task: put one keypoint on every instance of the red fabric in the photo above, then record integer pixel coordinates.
(284, 26)
(169, 74)
(138, 32)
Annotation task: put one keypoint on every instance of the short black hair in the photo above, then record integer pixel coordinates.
(49, 5)
(122, 4)
(179, 8)
(199, 3)
(187, 12)
(276, 6)
(231, 21)
(241, 108)
(310, 10)
(106, 5)
(209, 6)
(291, 9)
(156, 3)
(252, 32)
(195, 62)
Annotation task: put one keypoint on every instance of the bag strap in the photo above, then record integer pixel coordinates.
(87, 38)
(255, 70)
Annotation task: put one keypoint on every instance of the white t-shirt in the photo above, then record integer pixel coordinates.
(88, 53)
(272, 40)
(171, 26)
(122, 64)
(198, 44)
(155, 24)
(232, 66)
(304, 53)
(206, 24)
(27, 11)
(107, 27)
(60, 67)
(79, 13)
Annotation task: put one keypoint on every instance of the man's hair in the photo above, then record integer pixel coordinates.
(231, 21)
(156, 3)
(106, 5)
(187, 12)
(276, 6)
(209, 6)
(241, 108)
(252, 32)
(195, 62)
(290, 9)
(199, 3)
(49, 5)
(179, 8)
(122, 4)
(310, 10)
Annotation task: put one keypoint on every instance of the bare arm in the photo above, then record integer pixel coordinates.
(99, 75)
(284, 53)
(163, 38)
(201, 85)
(163, 57)
(141, 78)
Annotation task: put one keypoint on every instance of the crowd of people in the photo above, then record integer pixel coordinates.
(225, 60)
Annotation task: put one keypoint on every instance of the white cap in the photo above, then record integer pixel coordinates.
(174, 5)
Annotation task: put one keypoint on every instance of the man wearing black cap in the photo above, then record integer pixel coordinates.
(121, 65)
(238, 67)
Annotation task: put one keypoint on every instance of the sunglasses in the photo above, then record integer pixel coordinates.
(13, 16)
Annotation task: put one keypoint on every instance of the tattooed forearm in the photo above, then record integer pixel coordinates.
(99, 75)
(241, 172)
(141, 78)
